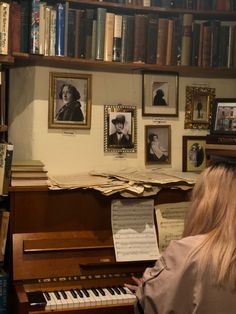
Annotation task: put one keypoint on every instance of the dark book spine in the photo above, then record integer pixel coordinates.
(215, 43)
(82, 35)
(101, 20)
(151, 40)
(7, 170)
(176, 41)
(162, 40)
(140, 37)
(195, 43)
(15, 26)
(224, 45)
(71, 33)
(60, 29)
(116, 51)
(127, 41)
(206, 45)
(25, 25)
(88, 33)
(186, 39)
(34, 28)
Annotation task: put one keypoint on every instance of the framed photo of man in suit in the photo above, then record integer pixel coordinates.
(120, 128)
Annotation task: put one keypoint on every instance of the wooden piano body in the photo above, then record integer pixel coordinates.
(62, 240)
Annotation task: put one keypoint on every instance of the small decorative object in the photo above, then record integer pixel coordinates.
(194, 157)
(223, 116)
(198, 107)
(120, 134)
(69, 101)
(160, 94)
(157, 144)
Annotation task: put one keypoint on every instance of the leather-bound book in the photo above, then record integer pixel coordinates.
(127, 40)
(116, 51)
(101, 20)
(186, 39)
(108, 38)
(169, 41)
(15, 26)
(176, 40)
(195, 43)
(162, 40)
(89, 16)
(215, 43)
(152, 27)
(140, 37)
(206, 44)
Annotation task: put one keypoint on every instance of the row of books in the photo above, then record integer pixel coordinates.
(4, 27)
(101, 35)
(28, 173)
(6, 156)
(216, 5)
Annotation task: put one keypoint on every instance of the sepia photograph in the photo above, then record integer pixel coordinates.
(160, 94)
(120, 128)
(157, 144)
(194, 156)
(69, 100)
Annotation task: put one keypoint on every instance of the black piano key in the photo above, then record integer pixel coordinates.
(57, 295)
(85, 292)
(63, 294)
(73, 293)
(122, 289)
(80, 294)
(47, 295)
(101, 291)
(95, 292)
(116, 290)
(111, 290)
(36, 299)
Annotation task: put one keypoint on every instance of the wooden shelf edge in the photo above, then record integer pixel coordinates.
(23, 59)
(3, 128)
(6, 59)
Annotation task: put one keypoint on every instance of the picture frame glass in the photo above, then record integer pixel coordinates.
(160, 94)
(70, 100)
(157, 144)
(120, 128)
(194, 155)
(224, 116)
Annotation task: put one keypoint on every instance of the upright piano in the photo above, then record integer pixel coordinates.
(63, 258)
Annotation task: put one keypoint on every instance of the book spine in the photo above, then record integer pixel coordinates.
(169, 42)
(3, 150)
(224, 42)
(82, 34)
(195, 43)
(151, 42)
(176, 42)
(162, 40)
(7, 169)
(66, 8)
(4, 287)
(108, 38)
(88, 32)
(15, 26)
(140, 37)
(230, 46)
(116, 50)
(60, 29)
(206, 46)
(4, 27)
(94, 35)
(101, 19)
(34, 28)
(186, 39)
(5, 215)
(25, 25)
(71, 33)
(42, 8)
(47, 30)
(52, 32)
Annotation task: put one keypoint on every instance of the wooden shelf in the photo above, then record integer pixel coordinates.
(24, 59)
(6, 59)
(3, 128)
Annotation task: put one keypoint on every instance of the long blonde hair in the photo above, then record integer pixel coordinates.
(213, 212)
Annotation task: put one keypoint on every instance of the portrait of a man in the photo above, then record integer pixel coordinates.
(120, 131)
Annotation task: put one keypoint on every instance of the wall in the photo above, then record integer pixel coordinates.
(82, 150)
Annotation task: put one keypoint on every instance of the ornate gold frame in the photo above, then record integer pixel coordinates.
(198, 107)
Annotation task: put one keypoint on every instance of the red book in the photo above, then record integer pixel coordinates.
(15, 26)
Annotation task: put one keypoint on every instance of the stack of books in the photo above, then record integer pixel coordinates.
(28, 173)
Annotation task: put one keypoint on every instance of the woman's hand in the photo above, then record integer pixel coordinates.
(138, 282)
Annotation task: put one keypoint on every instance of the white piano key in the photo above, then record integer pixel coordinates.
(58, 301)
(53, 303)
(130, 295)
(111, 298)
(70, 300)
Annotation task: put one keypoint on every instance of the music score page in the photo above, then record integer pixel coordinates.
(134, 232)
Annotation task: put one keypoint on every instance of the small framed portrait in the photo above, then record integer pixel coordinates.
(223, 116)
(157, 144)
(198, 107)
(160, 94)
(194, 155)
(69, 101)
(120, 131)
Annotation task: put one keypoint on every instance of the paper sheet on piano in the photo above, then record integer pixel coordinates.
(134, 232)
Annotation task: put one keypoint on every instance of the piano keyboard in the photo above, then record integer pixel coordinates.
(61, 299)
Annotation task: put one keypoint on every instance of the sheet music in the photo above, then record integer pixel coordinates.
(134, 232)
(170, 222)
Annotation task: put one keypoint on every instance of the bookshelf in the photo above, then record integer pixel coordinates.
(26, 58)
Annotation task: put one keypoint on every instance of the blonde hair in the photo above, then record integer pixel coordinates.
(213, 212)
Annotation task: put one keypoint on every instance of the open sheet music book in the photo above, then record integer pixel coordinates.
(134, 232)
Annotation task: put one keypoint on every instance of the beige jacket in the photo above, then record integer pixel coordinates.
(172, 286)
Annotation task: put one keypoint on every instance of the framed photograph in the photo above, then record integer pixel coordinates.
(69, 101)
(157, 144)
(223, 118)
(198, 107)
(194, 155)
(160, 94)
(120, 128)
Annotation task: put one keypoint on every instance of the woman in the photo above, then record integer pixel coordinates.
(197, 274)
(71, 111)
(155, 150)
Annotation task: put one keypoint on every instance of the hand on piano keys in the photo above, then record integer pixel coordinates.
(92, 297)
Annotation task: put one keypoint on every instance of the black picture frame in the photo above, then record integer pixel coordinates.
(194, 153)
(223, 116)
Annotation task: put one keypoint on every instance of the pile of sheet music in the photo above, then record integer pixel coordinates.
(127, 182)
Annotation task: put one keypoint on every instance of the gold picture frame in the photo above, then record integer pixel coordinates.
(126, 140)
(157, 144)
(69, 101)
(198, 107)
(194, 153)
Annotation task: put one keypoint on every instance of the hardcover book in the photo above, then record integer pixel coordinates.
(108, 38)
(151, 54)
(52, 32)
(71, 33)
(206, 45)
(42, 8)
(89, 16)
(4, 27)
(162, 40)
(186, 39)
(100, 34)
(60, 29)
(127, 40)
(47, 30)
(140, 37)
(116, 50)
(15, 26)
(25, 25)
(176, 41)
(34, 29)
